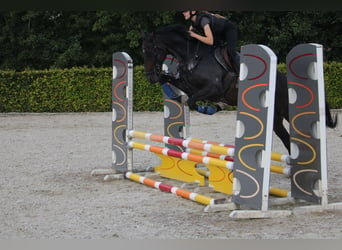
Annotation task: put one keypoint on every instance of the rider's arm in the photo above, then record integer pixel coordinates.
(208, 35)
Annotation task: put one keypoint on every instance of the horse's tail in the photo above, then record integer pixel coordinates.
(331, 122)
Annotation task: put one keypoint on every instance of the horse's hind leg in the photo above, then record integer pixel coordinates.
(281, 132)
(192, 103)
(330, 121)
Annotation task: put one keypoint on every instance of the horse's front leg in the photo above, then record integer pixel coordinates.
(192, 103)
(281, 132)
(204, 109)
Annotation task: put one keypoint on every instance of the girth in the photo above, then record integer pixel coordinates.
(221, 56)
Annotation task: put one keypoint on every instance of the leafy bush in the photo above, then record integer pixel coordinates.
(333, 86)
(146, 96)
(70, 90)
(89, 90)
(332, 81)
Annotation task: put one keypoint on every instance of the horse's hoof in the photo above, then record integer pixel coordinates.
(208, 110)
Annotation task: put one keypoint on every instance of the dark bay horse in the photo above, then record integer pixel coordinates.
(202, 78)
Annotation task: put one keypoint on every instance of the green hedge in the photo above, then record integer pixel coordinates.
(71, 90)
(146, 96)
(89, 90)
(332, 81)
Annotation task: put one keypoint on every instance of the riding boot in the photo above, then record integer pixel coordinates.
(235, 60)
(169, 91)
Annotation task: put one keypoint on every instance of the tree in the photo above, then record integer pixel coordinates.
(63, 39)
(281, 31)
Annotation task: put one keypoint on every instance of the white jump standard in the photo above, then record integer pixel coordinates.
(252, 155)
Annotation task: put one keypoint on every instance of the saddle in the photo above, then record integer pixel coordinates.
(221, 56)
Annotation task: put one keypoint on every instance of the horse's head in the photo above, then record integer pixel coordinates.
(154, 56)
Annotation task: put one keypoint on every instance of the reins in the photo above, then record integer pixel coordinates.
(157, 68)
(191, 53)
(188, 50)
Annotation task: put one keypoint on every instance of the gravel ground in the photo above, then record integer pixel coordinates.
(47, 191)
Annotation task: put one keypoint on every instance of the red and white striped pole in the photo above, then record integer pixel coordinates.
(205, 200)
(188, 143)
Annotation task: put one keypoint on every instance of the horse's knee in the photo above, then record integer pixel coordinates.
(282, 133)
(192, 104)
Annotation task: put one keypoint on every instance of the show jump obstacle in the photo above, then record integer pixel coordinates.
(241, 171)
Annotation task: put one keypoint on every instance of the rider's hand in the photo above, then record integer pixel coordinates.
(191, 33)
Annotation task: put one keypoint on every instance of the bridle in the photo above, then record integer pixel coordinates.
(158, 66)
(154, 48)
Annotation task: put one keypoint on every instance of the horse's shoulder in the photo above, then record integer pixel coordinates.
(172, 28)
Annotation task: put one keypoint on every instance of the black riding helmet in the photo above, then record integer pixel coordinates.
(191, 15)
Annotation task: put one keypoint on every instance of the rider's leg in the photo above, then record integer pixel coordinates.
(231, 37)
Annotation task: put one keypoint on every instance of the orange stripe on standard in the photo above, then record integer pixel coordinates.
(240, 156)
(260, 123)
(124, 112)
(310, 147)
(295, 127)
(168, 129)
(115, 134)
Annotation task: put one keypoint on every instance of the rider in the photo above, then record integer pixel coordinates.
(215, 30)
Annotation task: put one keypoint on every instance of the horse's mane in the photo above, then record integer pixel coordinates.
(171, 29)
